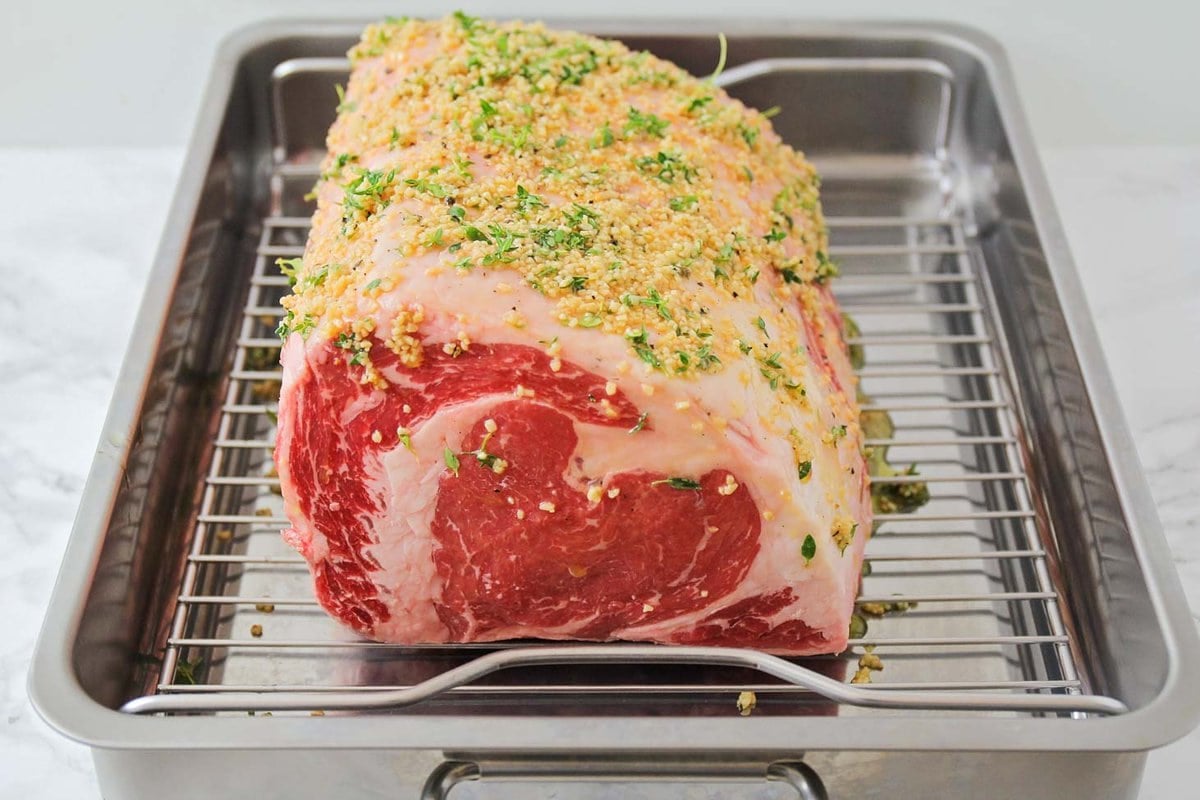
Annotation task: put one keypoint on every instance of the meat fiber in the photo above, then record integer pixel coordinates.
(561, 359)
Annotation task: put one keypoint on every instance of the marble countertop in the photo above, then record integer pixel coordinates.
(78, 230)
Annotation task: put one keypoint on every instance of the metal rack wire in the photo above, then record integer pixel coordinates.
(984, 619)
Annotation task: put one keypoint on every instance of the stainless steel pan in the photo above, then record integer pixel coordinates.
(1045, 645)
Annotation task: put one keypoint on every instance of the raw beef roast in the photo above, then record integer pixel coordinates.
(561, 359)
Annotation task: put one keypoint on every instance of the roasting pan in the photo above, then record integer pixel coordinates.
(1045, 646)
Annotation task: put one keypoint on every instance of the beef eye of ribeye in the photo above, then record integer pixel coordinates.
(561, 358)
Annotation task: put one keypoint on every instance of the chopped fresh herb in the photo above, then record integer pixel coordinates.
(790, 276)
(745, 348)
(842, 537)
(427, 187)
(373, 285)
(338, 165)
(505, 241)
(721, 59)
(463, 264)
(678, 483)
(318, 278)
(548, 238)
(285, 326)
(804, 469)
(749, 135)
(589, 320)
(434, 239)
(476, 235)
(457, 213)
(761, 324)
(451, 460)
(577, 213)
(809, 548)
(466, 22)
(341, 96)
(772, 111)
(366, 192)
(776, 235)
(527, 201)
(641, 423)
(359, 358)
(826, 269)
(706, 359)
(604, 138)
(749, 175)
(773, 361)
(577, 283)
(649, 124)
(698, 103)
(665, 167)
(646, 354)
(683, 202)
(561, 141)
(573, 72)
(289, 267)
(405, 439)
(656, 301)
(837, 432)
(185, 671)
(480, 123)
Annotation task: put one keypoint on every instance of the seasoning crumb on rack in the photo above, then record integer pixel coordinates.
(317, 713)
(868, 663)
(265, 608)
(224, 535)
(266, 390)
(884, 608)
(256, 630)
(746, 703)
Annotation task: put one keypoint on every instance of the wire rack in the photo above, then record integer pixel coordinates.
(984, 616)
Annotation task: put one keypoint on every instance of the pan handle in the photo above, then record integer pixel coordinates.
(448, 774)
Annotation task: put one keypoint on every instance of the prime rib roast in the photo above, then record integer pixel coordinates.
(561, 359)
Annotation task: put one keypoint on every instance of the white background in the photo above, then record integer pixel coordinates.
(130, 72)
